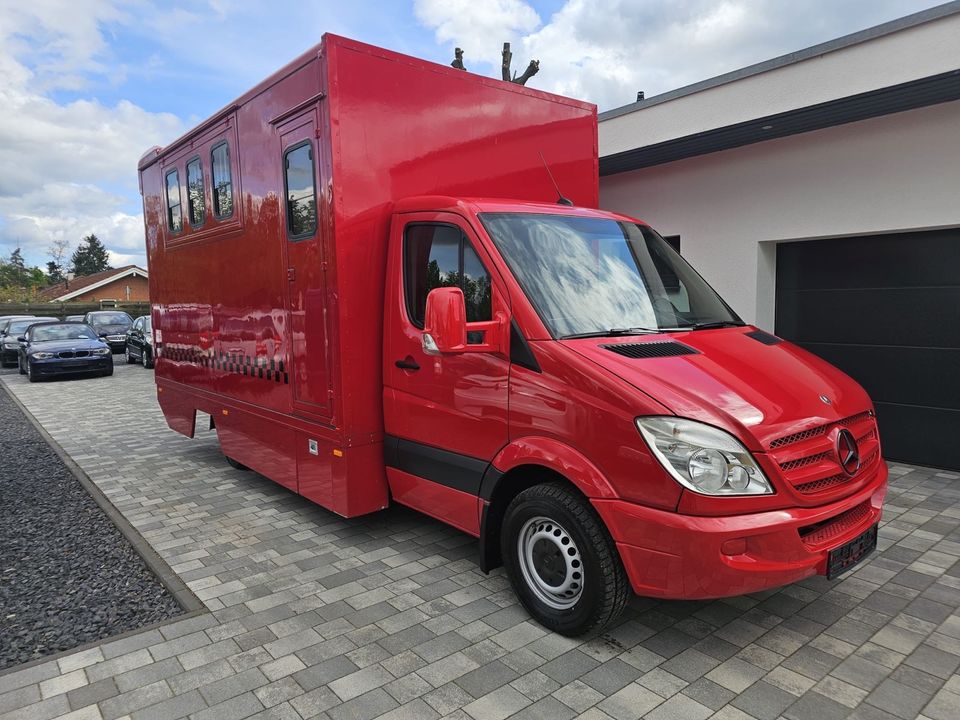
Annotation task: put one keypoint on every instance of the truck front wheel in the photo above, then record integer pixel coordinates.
(561, 560)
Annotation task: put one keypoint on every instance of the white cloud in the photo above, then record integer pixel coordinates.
(480, 28)
(605, 51)
(57, 158)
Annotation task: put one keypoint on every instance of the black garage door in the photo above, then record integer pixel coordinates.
(886, 310)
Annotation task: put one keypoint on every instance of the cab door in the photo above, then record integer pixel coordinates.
(306, 267)
(445, 416)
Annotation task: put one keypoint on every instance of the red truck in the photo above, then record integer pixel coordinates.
(361, 272)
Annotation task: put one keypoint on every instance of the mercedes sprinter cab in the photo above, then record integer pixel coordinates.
(366, 320)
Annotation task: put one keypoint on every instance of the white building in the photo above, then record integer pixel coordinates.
(819, 193)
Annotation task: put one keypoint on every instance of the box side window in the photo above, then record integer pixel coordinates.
(195, 200)
(222, 184)
(300, 191)
(174, 215)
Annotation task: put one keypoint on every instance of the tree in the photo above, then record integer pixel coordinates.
(54, 273)
(90, 256)
(57, 252)
(18, 283)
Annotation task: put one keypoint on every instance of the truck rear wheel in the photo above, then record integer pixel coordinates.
(561, 560)
(234, 464)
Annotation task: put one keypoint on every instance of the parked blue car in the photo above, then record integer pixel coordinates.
(63, 349)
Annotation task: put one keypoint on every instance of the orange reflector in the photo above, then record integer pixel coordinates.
(337, 452)
(737, 546)
(225, 412)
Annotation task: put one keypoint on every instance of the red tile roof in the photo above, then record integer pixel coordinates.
(53, 292)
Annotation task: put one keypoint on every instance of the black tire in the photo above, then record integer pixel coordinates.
(130, 359)
(108, 372)
(545, 510)
(234, 464)
(20, 367)
(145, 358)
(30, 374)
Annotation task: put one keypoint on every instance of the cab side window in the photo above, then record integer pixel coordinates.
(437, 255)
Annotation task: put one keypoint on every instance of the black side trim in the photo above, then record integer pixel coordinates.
(764, 337)
(657, 349)
(489, 482)
(460, 472)
(520, 352)
(489, 557)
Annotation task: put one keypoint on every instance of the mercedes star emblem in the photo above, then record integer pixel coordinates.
(847, 453)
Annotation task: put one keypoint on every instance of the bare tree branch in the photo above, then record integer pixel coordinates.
(507, 58)
(458, 59)
(532, 69)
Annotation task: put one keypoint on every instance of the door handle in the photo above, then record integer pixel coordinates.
(408, 363)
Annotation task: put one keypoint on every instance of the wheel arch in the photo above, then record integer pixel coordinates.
(522, 464)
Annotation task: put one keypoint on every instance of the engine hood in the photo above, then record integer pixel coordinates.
(757, 391)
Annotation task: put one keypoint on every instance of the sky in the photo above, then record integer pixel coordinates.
(87, 86)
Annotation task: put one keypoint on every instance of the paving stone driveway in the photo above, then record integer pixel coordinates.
(315, 616)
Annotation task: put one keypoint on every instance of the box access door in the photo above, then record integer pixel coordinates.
(306, 267)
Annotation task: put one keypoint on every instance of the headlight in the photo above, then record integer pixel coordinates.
(42, 355)
(101, 351)
(703, 458)
(11, 344)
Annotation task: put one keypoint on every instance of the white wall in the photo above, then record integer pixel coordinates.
(920, 51)
(887, 174)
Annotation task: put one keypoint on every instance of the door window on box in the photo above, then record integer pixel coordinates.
(300, 190)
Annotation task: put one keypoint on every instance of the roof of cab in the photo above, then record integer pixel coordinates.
(473, 206)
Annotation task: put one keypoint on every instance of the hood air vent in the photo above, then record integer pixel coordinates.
(763, 337)
(640, 351)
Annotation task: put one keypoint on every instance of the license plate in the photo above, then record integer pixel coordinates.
(852, 553)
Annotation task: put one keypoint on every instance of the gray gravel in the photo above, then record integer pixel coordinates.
(67, 574)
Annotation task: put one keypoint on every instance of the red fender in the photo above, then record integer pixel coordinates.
(561, 458)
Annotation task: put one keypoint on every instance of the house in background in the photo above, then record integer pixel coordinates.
(126, 284)
(819, 193)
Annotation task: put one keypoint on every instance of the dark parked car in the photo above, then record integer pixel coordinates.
(62, 348)
(73, 318)
(140, 342)
(4, 319)
(11, 330)
(112, 326)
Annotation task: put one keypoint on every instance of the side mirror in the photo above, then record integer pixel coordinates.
(21, 339)
(445, 326)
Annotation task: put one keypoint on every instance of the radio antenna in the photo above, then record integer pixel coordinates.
(561, 200)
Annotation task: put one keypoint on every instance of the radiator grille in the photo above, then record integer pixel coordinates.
(820, 430)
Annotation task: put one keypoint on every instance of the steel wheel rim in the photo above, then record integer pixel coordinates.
(550, 562)
(143, 357)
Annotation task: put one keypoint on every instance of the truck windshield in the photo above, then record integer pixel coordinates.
(597, 276)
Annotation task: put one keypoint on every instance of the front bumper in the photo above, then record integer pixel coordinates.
(9, 355)
(669, 555)
(117, 343)
(71, 366)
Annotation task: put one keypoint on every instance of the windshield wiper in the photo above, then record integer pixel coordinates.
(615, 332)
(713, 324)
